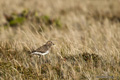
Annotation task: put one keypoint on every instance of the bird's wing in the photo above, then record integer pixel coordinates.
(42, 49)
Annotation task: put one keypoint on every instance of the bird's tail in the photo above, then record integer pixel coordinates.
(30, 52)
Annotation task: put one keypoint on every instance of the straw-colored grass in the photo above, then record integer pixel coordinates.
(86, 35)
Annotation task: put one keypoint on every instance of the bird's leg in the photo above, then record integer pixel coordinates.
(43, 57)
(40, 59)
(39, 56)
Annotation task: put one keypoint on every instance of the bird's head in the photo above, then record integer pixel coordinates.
(50, 43)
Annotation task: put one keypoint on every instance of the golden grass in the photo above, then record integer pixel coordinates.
(86, 35)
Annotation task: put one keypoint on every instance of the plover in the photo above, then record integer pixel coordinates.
(43, 50)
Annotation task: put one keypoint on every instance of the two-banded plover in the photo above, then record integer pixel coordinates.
(43, 50)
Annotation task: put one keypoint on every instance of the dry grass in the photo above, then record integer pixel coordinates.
(86, 34)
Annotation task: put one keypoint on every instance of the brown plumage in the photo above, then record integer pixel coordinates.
(43, 49)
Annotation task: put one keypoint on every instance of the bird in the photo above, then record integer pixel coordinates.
(43, 50)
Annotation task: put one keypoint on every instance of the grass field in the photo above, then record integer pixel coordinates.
(86, 34)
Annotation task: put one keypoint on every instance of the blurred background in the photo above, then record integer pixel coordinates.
(74, 13)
